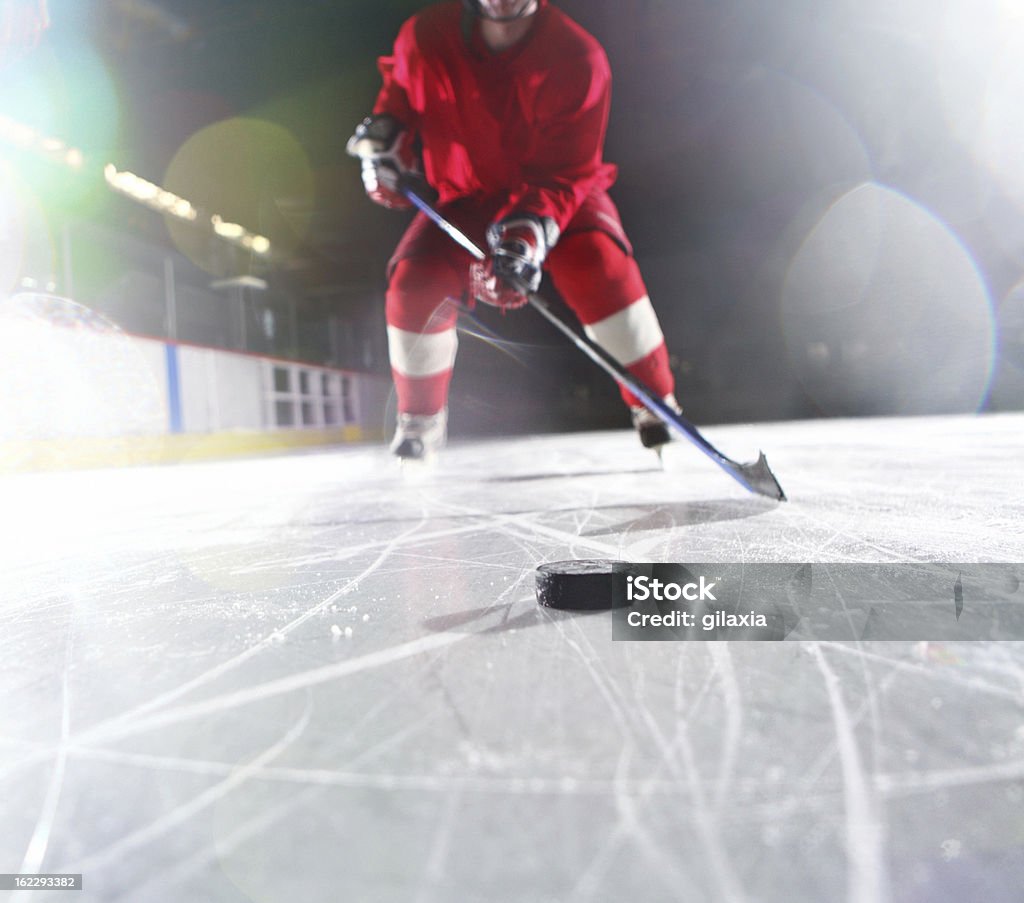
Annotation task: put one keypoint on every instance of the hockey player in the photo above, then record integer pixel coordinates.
(502, 106)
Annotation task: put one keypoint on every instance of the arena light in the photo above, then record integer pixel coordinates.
(17, 134)
(128, 183)
(231, 231)
(145, 192)
(241, 236)
(29, 139)
(164, 201)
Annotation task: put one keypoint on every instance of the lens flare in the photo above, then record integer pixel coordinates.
(247, 172)
(885, 312)
(1002, 129)
(26, 246)
(1011, 327)
(66, 91)
(979, 69)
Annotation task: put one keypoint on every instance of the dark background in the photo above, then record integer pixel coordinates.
(740, 128)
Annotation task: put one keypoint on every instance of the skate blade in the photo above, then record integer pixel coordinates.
(669, 456)
(417, 470)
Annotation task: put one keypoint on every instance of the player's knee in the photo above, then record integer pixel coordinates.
(595, 275)
(591, 257)
(418, 295)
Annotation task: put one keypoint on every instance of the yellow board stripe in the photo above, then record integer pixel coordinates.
(122, 451)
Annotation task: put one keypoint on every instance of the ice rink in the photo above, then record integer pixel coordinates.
(305, 678)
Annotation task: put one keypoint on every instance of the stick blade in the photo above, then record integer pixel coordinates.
(758, 477)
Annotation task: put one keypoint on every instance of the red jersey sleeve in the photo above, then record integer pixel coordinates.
(564, 162)
(395, 73)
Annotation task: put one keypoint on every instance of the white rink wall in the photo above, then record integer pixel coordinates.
(74, 380)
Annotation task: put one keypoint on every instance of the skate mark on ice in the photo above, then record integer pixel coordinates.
(705, 821)
(254, 826)
(258, 692)
(101, 730)
(630, 826)
(865, 834)
(951, 676)
(533, 617)
(732, 730)
(524, 525)
(539, 477)
(184, 869)
(35, 853)
(492, 785)
(900, 785)
(187, 810)
(685, 514)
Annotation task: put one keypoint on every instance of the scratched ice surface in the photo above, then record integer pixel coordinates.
(303, 679)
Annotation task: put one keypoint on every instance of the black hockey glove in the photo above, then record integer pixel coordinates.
(519, 245)
(388, 154)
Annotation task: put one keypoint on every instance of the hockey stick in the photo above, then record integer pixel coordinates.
(755, 476)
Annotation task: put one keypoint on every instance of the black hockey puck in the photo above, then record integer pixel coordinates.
(586, 585)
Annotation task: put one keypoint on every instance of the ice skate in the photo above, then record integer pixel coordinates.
(419, 437)
(651, 429)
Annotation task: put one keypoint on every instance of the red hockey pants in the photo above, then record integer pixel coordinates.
(591, 267)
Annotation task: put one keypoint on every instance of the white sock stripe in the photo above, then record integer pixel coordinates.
(629, 335)
(421, 354)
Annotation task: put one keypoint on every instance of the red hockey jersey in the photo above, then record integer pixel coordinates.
(528, 123)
